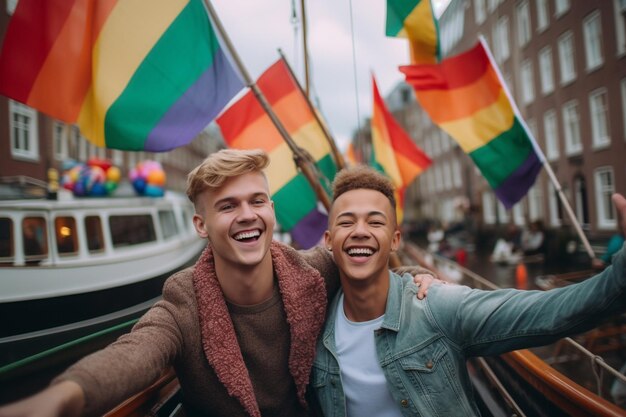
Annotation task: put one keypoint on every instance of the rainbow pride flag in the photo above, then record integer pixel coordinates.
(465, 96)
(245, 125)
(393, 151)
(415, 20)
(133, 74)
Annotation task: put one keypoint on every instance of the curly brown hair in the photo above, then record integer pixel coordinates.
(363, 177)
(221, 165)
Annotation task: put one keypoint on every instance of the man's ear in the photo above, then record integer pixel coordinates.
(198, 223)
(395, 240)
(328, 241)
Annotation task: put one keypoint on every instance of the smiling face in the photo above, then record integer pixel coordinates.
(362, 232)
(238, 220)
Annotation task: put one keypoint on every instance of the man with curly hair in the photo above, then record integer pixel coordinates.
(383, 352)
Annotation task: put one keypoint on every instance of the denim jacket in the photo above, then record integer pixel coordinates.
(422, 345)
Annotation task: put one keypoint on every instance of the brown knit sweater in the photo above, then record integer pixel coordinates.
(191, 329)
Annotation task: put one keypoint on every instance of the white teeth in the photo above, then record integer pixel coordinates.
(247, 235)
(360, 251)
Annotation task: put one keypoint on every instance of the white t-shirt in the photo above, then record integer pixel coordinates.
(363, 380)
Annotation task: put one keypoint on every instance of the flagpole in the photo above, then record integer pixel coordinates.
(305, 48)
(302, 158)
(333, 146)
(541, 155)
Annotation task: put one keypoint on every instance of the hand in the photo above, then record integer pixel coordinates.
(63, 399)
(597, 264)
(620, 204)
(424, 281)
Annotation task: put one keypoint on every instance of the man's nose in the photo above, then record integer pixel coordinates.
(361, 229)
(246, 212)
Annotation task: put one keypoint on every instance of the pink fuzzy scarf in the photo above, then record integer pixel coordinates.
(304, 297)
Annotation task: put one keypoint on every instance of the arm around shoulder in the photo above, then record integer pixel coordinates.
(65, 399)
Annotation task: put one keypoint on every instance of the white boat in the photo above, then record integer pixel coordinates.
(72, 266)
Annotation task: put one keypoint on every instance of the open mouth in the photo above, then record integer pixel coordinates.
(360, 252)
(247, 236)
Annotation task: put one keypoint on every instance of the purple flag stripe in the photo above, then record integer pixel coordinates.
(515, 187)
(310, 229)
(195, 109)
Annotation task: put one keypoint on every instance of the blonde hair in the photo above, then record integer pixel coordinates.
(363, 177)
(221, 165)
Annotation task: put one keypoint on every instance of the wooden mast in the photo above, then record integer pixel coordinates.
(305, 50)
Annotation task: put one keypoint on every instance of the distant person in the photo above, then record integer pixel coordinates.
(533, 239)
(507, 249)
(435, 236)
(383, 352)
(239, 327)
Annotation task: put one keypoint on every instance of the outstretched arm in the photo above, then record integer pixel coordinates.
(63, 399)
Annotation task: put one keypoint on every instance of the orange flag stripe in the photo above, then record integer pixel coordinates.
(449, 105)
(59, 82)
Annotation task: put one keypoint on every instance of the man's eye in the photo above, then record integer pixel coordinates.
(258, 202)
(377, 223)
(226, 207)
(344, 223)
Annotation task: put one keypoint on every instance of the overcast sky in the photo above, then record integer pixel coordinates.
(258, 28)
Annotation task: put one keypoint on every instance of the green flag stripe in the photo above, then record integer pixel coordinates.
(498, 159)
(162, 78)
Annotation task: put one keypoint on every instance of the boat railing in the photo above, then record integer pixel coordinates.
(598, 364)
(23, 180)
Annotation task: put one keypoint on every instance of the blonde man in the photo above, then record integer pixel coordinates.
(385, 353)
(239, 327)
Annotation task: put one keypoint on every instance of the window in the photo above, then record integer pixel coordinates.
(118, 157)
(479, 11)
(555, 205)
(501, 39)
(503, 215)
(551, 135)
(605, 186)
(532, 126)
(571, 127)
(34, 239)
(489, 213)
(535, 202)
(131, 230)
(438, 178)
(592, 30)
(168, 224)
(527, 80)
(599, 109)
(431, 181)
(580, 200)
(619, 7)
(543, 16)
(456, 173)
(66, 235)
(566, 58)
(518, 214)
(7, 250)
(545, 68)
(492, 5)
(560, 7)
(60, 141)
(522, 19)
(93, 230)
(24, 131)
